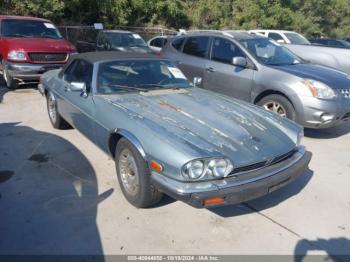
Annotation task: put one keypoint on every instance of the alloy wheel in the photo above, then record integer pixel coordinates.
(275, 107)
(128, 172)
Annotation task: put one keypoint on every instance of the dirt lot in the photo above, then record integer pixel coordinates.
(59, 195)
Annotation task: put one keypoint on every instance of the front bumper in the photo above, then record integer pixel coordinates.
(317, 113)
(236, 189)
(26, 72)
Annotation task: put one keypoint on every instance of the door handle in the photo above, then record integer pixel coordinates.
(210, 69)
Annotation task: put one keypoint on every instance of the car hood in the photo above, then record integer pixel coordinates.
(211, 124)
(39, 44)
(332, 77)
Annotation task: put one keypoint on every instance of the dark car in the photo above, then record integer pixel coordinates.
(115, 40)
(168, 136)
(330, 42)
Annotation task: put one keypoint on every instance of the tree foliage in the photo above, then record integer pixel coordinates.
(310, 17)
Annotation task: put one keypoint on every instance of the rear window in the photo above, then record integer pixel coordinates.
(177, 44)
(196, 46)
(158, 42)
(29, 28)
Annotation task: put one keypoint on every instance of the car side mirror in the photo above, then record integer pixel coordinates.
(239, 61)
(197, 81)
(78, 87)
(281, 41)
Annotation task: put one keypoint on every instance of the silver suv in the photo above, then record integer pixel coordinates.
(259, 70)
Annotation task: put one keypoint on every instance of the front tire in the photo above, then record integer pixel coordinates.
(134, 176)
(10, 82)
(279, 105)
(55, 118)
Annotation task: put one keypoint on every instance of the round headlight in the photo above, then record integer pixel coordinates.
(218, 167)
(194, 169)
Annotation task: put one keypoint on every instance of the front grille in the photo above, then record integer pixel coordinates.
(262, 164)
(48, 57)
(345, 92)
(282, 157)
(249, 167)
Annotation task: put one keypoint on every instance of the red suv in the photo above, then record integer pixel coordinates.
(29, 47)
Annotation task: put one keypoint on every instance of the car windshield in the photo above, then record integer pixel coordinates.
(345, 43)
(29, 28)
(125, 39)
(269, 52)
(297, 39)
(139, 75)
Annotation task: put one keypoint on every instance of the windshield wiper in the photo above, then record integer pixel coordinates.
(131, 88)
(157, 86)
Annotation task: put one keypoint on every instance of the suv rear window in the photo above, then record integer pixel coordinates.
(196, 46)
(177, 44)
(28, 28)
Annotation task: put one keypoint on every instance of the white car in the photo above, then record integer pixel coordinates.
(282, 36)
(156, 43)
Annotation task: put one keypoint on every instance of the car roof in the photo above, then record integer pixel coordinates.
(94, 57)
(22, 18)
(272, 31)
(116, 31)
(235, 34)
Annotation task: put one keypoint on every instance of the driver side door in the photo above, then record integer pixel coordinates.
(222, 76)
(79, 106)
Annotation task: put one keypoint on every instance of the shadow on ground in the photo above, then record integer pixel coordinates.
(48, 195)
(328, 133)
(337, 249)
(266, 201)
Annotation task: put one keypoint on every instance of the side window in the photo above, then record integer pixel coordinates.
(224, 51)
(177, 44)
(81, 71)
(68, 73)
(196, 46)
(275, 36)
(152, 43)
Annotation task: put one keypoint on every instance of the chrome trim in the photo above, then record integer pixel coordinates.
(133, 140)
(186, 187)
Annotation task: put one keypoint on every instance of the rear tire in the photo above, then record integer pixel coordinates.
(134, 176)
(279, 105)
(56, 119)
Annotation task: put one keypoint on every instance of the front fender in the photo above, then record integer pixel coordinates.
(120, 133)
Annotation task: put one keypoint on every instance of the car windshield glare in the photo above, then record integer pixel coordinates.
(29, 28)
(138, 75)
(125, 39)
(269, 52)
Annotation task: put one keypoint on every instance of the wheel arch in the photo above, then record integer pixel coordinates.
(271, 92)
(118, 134)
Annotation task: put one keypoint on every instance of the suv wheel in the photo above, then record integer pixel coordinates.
(134, 176)
(279, 105)
(10, 82)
